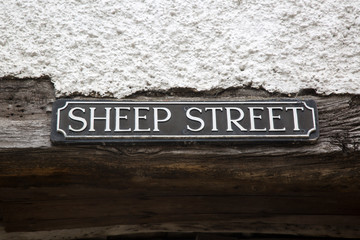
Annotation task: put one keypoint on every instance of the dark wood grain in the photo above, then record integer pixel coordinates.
(282, 188)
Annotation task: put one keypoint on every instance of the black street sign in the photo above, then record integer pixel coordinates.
(117, 121)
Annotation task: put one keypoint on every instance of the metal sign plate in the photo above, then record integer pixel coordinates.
(117, 121)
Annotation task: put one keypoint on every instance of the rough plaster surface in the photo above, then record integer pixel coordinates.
(119, 47)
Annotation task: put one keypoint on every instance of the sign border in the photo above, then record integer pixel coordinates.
(192, 137)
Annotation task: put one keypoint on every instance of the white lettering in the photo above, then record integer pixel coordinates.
(253, 117)
(106, 118)
(76, 118)
(188, 115)
(138, 117)
(295, 115)
(234, 121)
(156, 117)
(272, 117)
(118, 117)
(213, 114)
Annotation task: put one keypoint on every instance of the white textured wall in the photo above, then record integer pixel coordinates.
(121, 47)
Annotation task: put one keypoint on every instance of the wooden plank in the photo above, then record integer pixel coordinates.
(25, 111)
(68, 208)
(278, 188)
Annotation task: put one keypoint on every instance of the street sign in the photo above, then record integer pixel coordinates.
(126, 121)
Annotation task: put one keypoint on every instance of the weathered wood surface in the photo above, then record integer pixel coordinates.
(306, 189)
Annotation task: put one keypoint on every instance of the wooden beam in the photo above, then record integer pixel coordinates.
(277, 188)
